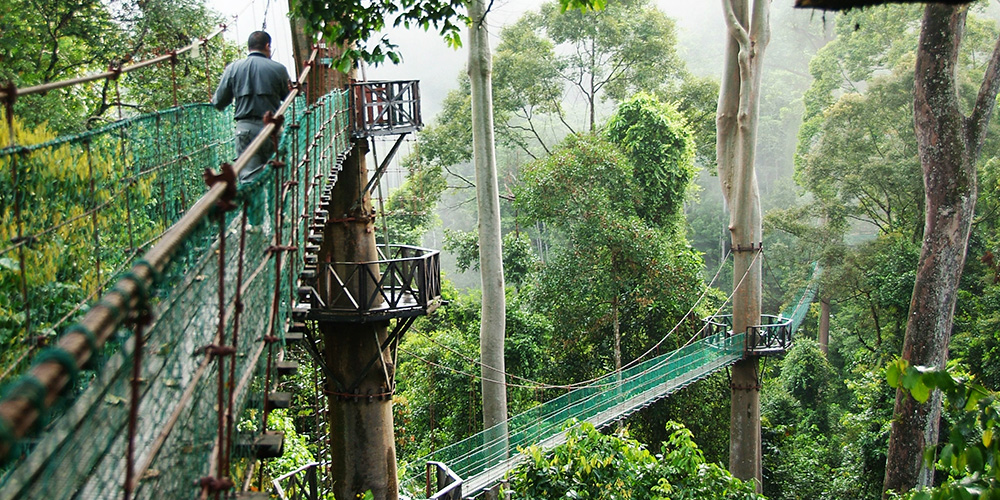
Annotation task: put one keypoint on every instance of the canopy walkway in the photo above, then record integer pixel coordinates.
(155, 295)
(480, 461)
(184, 288)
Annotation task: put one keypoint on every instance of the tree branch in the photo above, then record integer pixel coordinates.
(736, 30)
(977, 123)
(562, 118)
(467, 181)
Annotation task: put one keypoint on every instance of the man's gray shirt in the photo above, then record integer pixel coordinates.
(256, 84)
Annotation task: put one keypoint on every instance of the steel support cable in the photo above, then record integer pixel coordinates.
(134, 399)
(220, 351)
(587, 383)
(233, 310)
(19, 414)
(131, 178)
(193, 384)
(171, 422)
(533, 433)
(47, 87)
(238, 302)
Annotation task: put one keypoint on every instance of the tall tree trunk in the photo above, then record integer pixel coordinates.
(363, 448)
(739, 97)
(493, 324)
(361, 437)
(949, 145)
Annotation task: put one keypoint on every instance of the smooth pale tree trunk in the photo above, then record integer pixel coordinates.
(747, 37)
(949, 145)
(493, 324)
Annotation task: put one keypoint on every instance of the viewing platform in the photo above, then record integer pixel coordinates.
(773, 336)
(405, 282)
(385, 108)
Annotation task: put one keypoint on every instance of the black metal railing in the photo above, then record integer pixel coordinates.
(385, 107)
(442, 482)
(405, 281)
(300, 484)
(772, 336)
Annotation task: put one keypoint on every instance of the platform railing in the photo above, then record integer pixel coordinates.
(442, 482)
(772, 336)
(385, 107)
(405, 281)
(299, 484)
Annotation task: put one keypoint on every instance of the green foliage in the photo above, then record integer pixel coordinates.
(409, 208)
(519, 260)
(69, 263)
(798, 464)
(549, 56)
(437, 402)
(805, 373)
(296, 448)
(625, 48)
(597, 466)
(355, 23)
(659, 145)
(612, 265)
(970, 454)
(976, 338)
(62, 40)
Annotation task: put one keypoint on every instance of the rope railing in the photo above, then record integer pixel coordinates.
(176, 280)
(113, 73)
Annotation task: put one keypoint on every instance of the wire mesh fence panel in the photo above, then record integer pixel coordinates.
(87, 205)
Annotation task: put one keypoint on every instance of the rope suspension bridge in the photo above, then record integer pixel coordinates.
(156, 297)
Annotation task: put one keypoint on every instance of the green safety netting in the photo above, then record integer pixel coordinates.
(608, 399)
(88, 205)
(146, 172)
(797, 309)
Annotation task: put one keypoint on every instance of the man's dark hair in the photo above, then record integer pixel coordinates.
(258, 40)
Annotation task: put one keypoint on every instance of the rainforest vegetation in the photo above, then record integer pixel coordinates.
(614, 238)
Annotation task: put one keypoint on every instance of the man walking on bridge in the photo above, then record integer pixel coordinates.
(257, 85)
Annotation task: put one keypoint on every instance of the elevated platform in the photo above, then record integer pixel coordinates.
(404, 283)
(385, 108)
(772, 337)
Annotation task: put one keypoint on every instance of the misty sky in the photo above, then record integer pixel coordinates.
(428, 59)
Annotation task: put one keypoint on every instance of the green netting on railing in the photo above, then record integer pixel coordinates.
(797, 310)
(610, 398)
(89, 204)
(81, 452)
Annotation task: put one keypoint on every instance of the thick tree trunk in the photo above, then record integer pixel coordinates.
(949, 146)
(363, 448)
(748, 34)
(493, 324)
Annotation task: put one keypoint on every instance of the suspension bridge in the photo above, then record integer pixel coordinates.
(155, 300)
